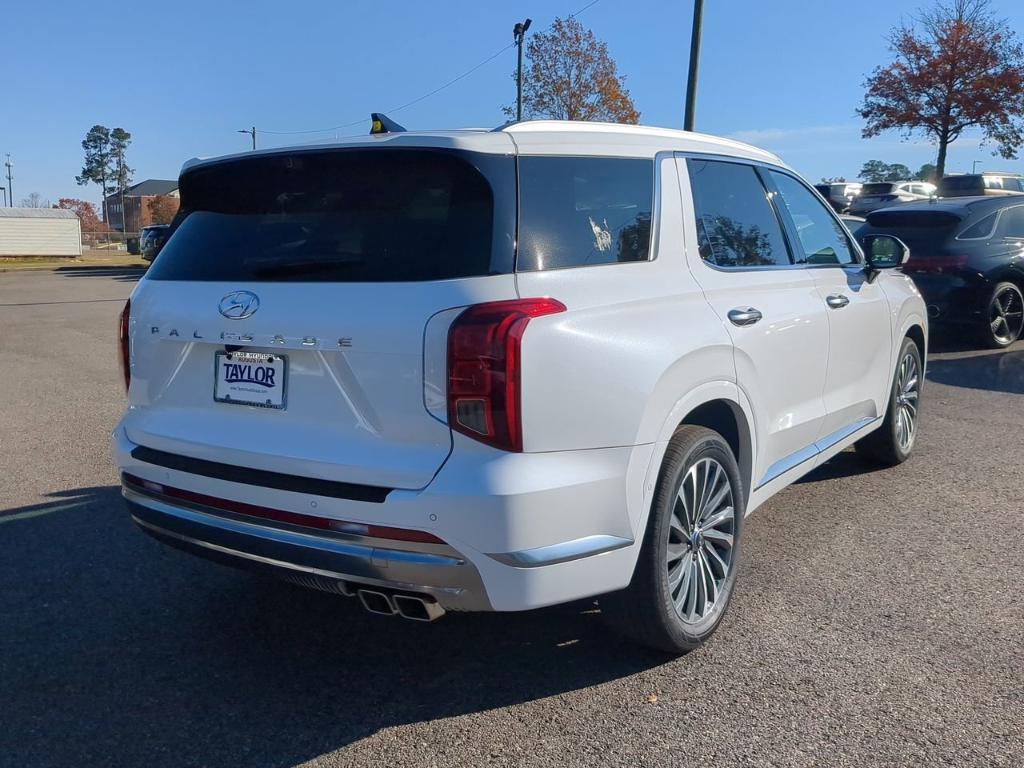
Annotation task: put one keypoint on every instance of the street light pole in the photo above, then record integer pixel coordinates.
(10, 187)
(518, 33)
(4, 190)
(691, 82)
(974, 166)
(252, 132)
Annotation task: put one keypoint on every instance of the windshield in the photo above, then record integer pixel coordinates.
(366, 215)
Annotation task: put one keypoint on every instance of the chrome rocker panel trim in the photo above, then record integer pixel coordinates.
(797, 458)
(449, 578)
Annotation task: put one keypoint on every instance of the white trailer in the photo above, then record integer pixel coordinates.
(39, 232)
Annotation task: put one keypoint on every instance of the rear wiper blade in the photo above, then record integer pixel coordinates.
(309, 265)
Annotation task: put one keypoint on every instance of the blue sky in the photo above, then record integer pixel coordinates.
(185, 76)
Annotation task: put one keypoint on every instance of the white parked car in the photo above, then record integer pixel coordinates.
(882, 194)
(499, 370)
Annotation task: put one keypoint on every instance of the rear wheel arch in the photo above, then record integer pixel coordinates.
(727, 418)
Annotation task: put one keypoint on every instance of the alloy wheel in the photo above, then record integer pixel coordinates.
(702, 530)
(1006, 315)
(908, 390)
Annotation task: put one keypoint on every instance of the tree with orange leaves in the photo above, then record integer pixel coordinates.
(958, 67)
(570, 76)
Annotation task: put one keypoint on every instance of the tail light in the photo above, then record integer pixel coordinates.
(939, 263)
(122, 338)
(484, 369)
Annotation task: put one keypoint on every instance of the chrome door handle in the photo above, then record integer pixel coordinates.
(744, 316)
(837, 301)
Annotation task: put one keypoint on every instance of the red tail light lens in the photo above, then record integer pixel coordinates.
(484, 369)
(122, 338)
(938, 263)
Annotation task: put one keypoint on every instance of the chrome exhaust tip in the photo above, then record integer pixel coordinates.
(417, 609)
(376, 602)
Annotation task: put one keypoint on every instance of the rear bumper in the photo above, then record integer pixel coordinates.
(341, 563)
(548, 529)
(952, 299)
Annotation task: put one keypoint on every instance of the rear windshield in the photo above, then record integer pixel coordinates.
(960, 184)
(377, 215)
(876, 189)
(924, 232)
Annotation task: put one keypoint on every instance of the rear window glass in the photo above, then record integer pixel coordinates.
(377, 215)
(981, 229)
(581, 211)
(736, 225)
(960, 183)
(925, 232)
(876, 189)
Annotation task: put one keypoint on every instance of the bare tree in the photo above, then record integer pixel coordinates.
(34, 200)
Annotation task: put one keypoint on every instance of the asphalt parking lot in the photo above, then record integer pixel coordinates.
(878, 620)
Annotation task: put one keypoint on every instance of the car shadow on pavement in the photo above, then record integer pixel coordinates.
(997, 371)
(117, 650)
(120, 274)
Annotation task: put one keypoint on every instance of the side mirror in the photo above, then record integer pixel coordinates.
(884, 251)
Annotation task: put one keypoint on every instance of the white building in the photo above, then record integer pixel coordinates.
(39, 232)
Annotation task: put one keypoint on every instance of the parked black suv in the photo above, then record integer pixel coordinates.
(967, 258)
(152, 239)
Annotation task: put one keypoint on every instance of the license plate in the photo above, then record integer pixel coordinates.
(250, 378)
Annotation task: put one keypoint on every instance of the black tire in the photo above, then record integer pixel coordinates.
(1004, 316)
(885, 445)
(645, 612)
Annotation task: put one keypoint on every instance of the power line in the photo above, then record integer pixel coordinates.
(427, 95)
(417, 100)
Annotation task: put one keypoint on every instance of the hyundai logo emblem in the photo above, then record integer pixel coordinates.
(239, 305)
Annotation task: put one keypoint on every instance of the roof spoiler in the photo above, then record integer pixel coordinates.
(381, 123)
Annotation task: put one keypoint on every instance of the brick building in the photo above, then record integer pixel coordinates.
(136, 198)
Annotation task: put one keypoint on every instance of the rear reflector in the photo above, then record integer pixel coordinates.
(484, 374)
(150, 488)
(122, 338)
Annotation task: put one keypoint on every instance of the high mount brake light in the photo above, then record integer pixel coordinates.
(122, 335)
(484, 376)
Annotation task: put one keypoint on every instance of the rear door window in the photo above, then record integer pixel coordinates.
(366, 215)
(583, 211)
(736, 224)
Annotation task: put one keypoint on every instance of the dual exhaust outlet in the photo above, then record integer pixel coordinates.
(407, 606)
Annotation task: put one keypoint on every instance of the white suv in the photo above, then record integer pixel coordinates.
(499, 370)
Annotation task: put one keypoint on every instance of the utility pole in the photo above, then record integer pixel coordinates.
(251, 132)
(691, 82)
(518, 33)
(10, 189)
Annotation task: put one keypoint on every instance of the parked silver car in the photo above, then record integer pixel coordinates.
(884, 193)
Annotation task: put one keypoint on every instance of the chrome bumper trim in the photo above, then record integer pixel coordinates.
(451, 579)
(562, 552)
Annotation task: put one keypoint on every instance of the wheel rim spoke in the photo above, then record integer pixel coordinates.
(907, 397)
(701, 540)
